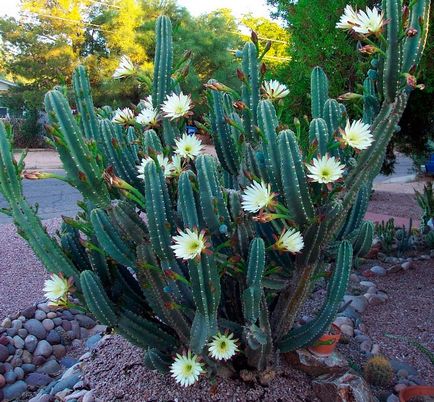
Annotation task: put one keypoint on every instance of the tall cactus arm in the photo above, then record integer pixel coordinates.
(83, 99)
(362, 243)
(414, 45)
(392, 61)
(319, 131)
(29, 224)
(162, 60)
(60, 114)
(186, 201)
(319, 91)
(333, 116)
(151, 142)
(310, 332)
(294, 183)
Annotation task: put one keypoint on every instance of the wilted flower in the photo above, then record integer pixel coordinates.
(188, 146)
(186, 369)
(124, 117)
(291, 240)
(370, 21)
(368, 49)
(357, 135)
(325, 169)
(125, 69)
(177, 106)
(257, 196)
(189, 244)
(147, 117)
(222, 347)
(348, 19)
(275, 90)
(57, 288)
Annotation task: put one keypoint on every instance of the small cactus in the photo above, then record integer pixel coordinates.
(378, 371)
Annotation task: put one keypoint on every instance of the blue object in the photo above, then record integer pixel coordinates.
(429, 165)
(191, 130)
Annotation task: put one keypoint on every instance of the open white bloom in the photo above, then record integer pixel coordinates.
(165, 164)
(147, 103)
(57, 287)
(176, 106)
(348, 19)
(188, 146)
(147, 117)
(186, 369)
(257, 196)
(325, 169)
(125, 69)
(189, 244)
(222, 347)
(370, 21)
(275, 90)
(176, 165)
(357, 135)
(141, 167)
(124, 116)
(291, 240)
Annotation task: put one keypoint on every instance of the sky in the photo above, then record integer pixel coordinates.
(196, 7)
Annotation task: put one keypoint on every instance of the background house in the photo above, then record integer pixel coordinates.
(5, 86)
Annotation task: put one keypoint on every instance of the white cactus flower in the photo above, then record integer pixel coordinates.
(189, 244)
(291, 240)
(370, 21)
(357, 135)
(176, 106)
(188, 146)
(325, 169)
(147, 103)
(124, 117)
(126, 68)
(147, 117)
(257, 196)
(57, 287)
(348, 19)
(176, 165)
(186, 369)
(162, 160)
(141, 167)
(222, 347)
(275, 90)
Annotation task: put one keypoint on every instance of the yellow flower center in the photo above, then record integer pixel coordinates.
(325, 173)
(187, 148)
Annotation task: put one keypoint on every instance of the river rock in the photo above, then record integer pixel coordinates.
(22, 332)
(48, 324)
(10, 377)
(314, 365)
(43, 349)
(378, 270)
(4, 353)
(18, 342)
(338, 387)
(359, 303)
(38, 379)
(14, 391)
(28, 367)
(29, 312)
(85, 321)
(49, 367)
(30, 343)
(19, 373)
(35, 328)
(53, 337)
(59, 351)
(6, 323)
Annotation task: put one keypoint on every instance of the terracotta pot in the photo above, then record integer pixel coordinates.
(326, 345)
(416, 390)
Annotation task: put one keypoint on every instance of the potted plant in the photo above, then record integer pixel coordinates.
(326, 344)
(417, 390)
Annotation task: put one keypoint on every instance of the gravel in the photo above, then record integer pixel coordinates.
(115, 371)
(22, 275)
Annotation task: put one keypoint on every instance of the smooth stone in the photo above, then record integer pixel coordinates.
(359, 303)
(75, 328)
(6, 323)
(372, 290)
(392, 398)
(43, 349)
(11, 348)
(366, 346)
(13, 391)
(57, 321)
(28, 367)
(53, 337)
(362, 338)
(367, 284)
(4, 340)
(338, 387)
(378, 270)
(67, 315)
(85, 321)
(51, 315)
(40, 315)
(64, 383)
(407, 265)
(93, 341)
(59, 351)
(66, 325)
(27, 356)
(49, 367)
(17, 324)
(44, 307)
(22, 332)
(68, 361)
(2, 381)
(76, 343)
(4, 353)
(35, 328)
(375, 350)
(29, 312)
(48, 324)
(19, 372)
(18, 342)
(38, 379)
(10, 377)
(12, 332)
(375, 300)
(399, 365)
(347, 330)
(88, 397)
(30, 343)
(38, 360)
(16, 362)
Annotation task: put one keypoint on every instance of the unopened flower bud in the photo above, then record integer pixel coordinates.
(241, 76)
(411, 32)
(368, 49)
(254, 37)
(349, 96)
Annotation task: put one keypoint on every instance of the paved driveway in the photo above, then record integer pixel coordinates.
(54, 197)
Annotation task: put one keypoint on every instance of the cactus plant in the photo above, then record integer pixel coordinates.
(189, 247)
(378, 371)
